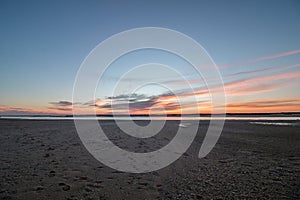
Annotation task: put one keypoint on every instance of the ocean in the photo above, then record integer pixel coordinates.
(257, 119)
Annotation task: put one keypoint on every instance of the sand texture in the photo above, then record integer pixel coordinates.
(46, 160)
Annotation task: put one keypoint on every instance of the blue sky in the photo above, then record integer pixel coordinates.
(43, 43)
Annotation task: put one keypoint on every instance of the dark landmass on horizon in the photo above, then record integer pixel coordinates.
(169, 115)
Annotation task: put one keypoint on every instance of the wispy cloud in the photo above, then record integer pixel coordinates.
(250, 86)
(280, 105)
(270, 69)
(269, 57)
(61, 106)
(261, 83)
(262, 58)
(267, 103)
(62, 103)
(11, 110)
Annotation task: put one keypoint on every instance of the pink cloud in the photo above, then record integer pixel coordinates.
(268, 57)
(280, 105)
(11, 110)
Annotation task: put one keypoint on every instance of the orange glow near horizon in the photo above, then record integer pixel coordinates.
(286, 105)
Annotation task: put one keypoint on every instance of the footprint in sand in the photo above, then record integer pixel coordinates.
(65, 187)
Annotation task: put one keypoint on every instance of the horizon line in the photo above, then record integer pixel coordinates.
(144, 115)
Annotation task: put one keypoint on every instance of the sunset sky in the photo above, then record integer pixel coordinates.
(255, 44)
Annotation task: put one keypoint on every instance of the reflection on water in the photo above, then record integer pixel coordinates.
(277, 123)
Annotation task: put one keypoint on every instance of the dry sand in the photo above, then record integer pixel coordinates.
(46, 160)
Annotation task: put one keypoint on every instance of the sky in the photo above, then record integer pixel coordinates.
(255, 44)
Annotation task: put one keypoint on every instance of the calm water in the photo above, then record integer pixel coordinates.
(278, 123)
(260, 120)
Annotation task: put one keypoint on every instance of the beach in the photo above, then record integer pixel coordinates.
(45, 159)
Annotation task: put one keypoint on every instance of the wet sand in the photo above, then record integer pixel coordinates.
(46, 160)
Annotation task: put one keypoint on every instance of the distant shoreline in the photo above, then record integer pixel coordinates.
(169, 115)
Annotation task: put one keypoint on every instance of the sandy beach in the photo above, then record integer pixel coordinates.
(46, 160)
